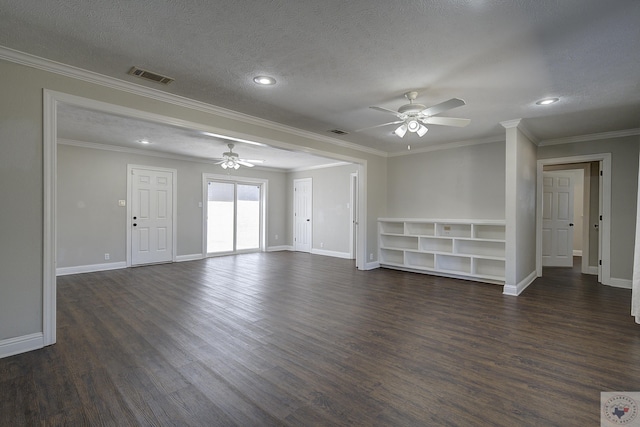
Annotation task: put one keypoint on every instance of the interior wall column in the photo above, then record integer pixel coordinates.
(520, 208)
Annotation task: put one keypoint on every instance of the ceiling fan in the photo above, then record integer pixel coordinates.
(413, 117)
(231, 160)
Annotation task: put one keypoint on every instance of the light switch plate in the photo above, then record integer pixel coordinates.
(122, 203)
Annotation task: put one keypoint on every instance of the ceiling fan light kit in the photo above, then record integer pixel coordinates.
(413, 117)
(231, 160)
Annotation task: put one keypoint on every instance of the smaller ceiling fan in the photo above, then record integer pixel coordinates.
(413, 117)
(231, 160)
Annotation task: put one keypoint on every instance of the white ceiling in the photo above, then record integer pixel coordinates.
(78, 125)
(333, 59)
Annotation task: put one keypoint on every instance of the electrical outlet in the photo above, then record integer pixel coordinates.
(107, 257)
(276, 237)
(371, 257)
(321, 245)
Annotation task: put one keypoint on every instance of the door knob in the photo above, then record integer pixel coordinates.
(570, 224)
(308, 219)
(135, 217)
(134, 224)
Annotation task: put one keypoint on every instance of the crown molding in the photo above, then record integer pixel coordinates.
(508, 124)
(33, 61)
(328, 165)
(591, 137)
(450, 145)
(149, 153)
(517, 123)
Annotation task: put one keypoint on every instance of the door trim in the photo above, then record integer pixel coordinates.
(174, 207)
(605, 192)
(353, 216)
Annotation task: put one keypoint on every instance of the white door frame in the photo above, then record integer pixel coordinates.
(263, 183)
(353, 216)
(174, 207)
(605, 193)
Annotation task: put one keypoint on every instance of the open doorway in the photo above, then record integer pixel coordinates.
(596, 207)
(582, 225)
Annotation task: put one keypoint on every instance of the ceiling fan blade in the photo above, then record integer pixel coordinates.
(377, 126)
(443, 106)
(385, 110)
(220, 162)
(447, 121)
(243, 163)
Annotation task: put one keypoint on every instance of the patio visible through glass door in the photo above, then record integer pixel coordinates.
(233, 217)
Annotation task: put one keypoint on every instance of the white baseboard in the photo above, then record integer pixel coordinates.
(279, 248)
(592, 270)
(517, 289)
(371, 265)
(577, 252)
(344, 255)
(190, 257)
(17, 345)
(620, 283)
(63, 271)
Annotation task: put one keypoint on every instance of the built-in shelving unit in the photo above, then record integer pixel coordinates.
(468, 249)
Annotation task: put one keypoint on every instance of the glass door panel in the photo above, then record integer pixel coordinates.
(220, 217)
(248, 217)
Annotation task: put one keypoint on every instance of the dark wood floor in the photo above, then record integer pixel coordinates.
(297, 339)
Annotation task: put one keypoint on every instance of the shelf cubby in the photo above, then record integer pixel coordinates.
(420, 228)
(420, 260)
(480, 247)
(453, 263)
(435, 244)
(453, 230)
(391, 256)
(400, 242)
(488, 231)
(489, 267)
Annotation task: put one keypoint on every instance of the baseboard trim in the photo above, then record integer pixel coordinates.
(620, 283)
(22, 344)
(334, 254)
(279, 248)
(592, 270)
(517, 289)
(63, 271)
(371, 265)
(190, 257)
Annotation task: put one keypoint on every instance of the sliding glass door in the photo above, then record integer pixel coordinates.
(234, 220)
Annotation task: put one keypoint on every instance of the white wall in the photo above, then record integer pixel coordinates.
(90, 222)
(331, 210)
(455, 183)
(624, 184)
(520, 211)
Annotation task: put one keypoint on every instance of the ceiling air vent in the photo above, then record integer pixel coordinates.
(338, 132)
(148, 75)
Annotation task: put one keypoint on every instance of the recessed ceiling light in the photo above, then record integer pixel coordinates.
(264, 80)
(143, 141)
(547, 101)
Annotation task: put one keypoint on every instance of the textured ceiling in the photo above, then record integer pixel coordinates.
(333, 59)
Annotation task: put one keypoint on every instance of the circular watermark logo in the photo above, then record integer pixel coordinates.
(620, 409)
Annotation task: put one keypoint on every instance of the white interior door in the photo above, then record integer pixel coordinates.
(557, 219)
(151, 216)
(302, 211)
